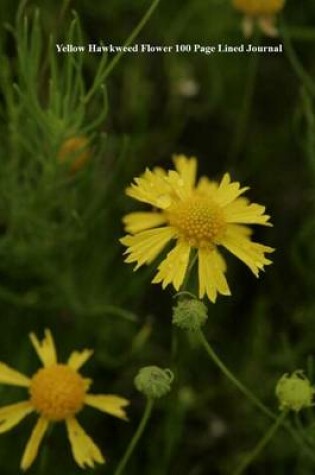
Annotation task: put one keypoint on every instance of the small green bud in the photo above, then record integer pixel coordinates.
(154, 382)
(294, 391)
(190, 314)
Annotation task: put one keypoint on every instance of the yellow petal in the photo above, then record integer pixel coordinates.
(251, 253)
(11, 376)
(152, 188)
(144, 247)
(187, 169)
(228, 191)
(157, 171)
(267, 24)
(206, 186)
(259, 7)
(11, 415)
(160, 190)
(248, 25)
(45, 349)
(240, 211)
(241, 229)
(87, 383)
(137, 222)
(211, 274)
(220, 260)
(32, 446)
(78, 358)
(84, 450)
(173, 268)
(108, 403)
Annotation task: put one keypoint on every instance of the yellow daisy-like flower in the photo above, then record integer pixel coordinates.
(200, 216)
(57, 392)
(262, 11)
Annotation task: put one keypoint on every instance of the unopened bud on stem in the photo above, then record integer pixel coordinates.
(190, 314)
(294, 391)
(154, 382)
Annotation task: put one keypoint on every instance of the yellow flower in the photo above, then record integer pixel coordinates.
(75, 153)
(200, 216)
(57, 392)
(264, 11)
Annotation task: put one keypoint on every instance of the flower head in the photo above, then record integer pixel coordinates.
(75, 152)
(190, 314)
(154, 382)
(264, 11)
(57, 392)
(200, 217)
(294, 391)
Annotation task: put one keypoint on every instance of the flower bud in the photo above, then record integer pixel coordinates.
(75, 152)
(190, 314)
(294, 391)
(154, 382)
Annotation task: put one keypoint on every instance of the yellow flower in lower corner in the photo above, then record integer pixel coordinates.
(57, 392)
(264, 11)
(202, 216)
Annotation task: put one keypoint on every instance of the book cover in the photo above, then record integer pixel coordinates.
(157, 232)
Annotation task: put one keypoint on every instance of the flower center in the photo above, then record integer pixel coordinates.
(198, 220)
(57, 392)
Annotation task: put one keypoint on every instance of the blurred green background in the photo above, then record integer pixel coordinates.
(61, 264)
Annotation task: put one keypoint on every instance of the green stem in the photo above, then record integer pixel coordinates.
(127, 43)
(252, 398)
(136, 437)
(133, 35)
(21, 10)
(219, 363)
(245, 111)
(261, 444)
(192, 262)
(301, 430)
(63, 10)
(299, 70)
